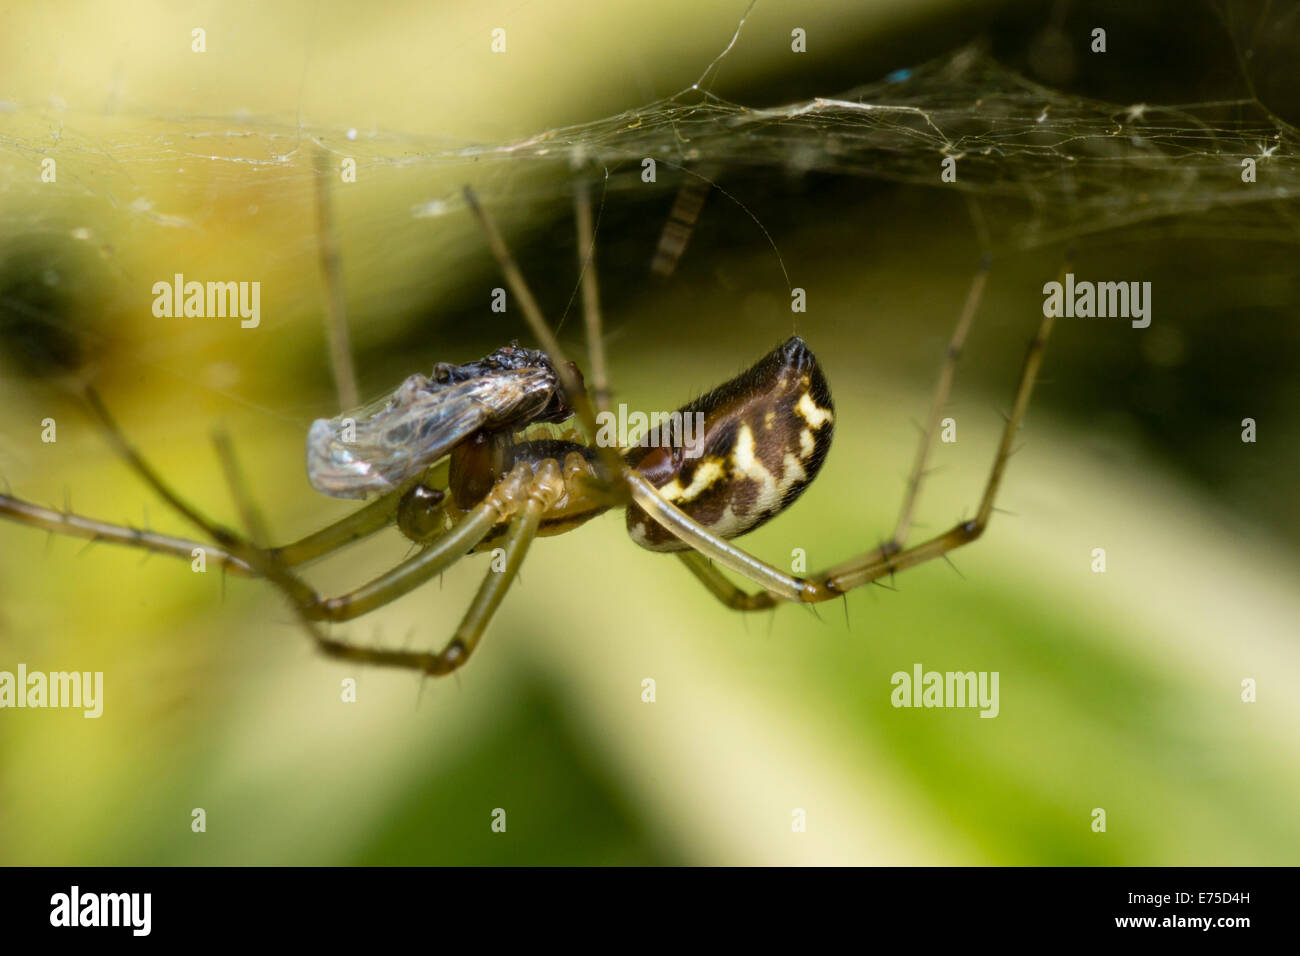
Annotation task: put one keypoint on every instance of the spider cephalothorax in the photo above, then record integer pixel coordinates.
(765, 435)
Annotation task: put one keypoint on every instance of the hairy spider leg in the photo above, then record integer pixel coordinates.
(542, 490)
(331, 266)
(254, 523)
(93, 530)
(365, 521)
(590, 295)
(545, 489)
(582, 405)
(863, 570)
(942, 390)
(500, 504)
(681, 222)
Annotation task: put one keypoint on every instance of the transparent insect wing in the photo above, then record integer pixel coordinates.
(375, 449)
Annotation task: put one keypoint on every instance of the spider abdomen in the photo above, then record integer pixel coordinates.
(764, 437)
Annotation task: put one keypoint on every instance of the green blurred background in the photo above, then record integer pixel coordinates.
(1118, 690)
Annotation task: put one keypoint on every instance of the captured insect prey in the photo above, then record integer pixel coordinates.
(374, 449)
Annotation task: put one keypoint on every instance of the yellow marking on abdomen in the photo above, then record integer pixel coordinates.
(706, 473)
(813, 414)
(806, 444)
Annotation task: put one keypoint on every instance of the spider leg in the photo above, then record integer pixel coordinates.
(538, 493)
(367, 520)
(227, 540)
(582, 405)
(591, 295)
(784, 586)
(544, 491)
(532, 312)
(249, 513)
(93, 530)
(376, 515)
(722, 587)
(850, 574)
(336, 320)
(362, 523)
(941, 392)
(500, 503)
(424, 661)
(680, 224)
(504, 500)
(863, 570)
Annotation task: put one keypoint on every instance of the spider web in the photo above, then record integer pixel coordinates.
(1079, 166)
(1040, 165)
(1069, 165)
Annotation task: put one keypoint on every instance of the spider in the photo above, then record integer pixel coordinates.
(457, 468)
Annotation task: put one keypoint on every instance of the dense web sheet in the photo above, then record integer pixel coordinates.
(1057, 165)
(1080, 165)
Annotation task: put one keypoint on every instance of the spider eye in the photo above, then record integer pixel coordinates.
(752, 445)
